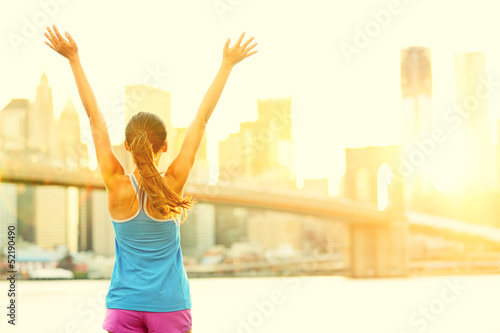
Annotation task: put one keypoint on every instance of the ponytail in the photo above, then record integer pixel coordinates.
(162, 197)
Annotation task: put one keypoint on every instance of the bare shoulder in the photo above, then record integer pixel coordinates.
(121, 195)
(121, 184)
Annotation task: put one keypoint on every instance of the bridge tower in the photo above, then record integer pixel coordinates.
(376, 250)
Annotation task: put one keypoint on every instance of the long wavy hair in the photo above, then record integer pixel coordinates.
(146, 134)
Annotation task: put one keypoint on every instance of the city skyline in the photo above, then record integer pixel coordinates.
(304, 61)
(357, 152)
(131, 104)
(137, 98)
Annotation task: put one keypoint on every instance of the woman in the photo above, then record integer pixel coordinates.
(149, 289)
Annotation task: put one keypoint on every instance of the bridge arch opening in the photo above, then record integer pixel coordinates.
(384, 178)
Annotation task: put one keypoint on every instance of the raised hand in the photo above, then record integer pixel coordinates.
(109, 166)
(235, 54)
(66, 48)
(181, 166)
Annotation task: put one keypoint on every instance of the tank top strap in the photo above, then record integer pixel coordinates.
(133, 180)
(135, 185)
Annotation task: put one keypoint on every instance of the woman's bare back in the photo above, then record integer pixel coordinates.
(122, 204)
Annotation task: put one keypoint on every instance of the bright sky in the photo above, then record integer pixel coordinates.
(335, 103)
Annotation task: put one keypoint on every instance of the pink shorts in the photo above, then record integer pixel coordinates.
(128, 321)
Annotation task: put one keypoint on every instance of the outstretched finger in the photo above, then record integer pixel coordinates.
(249, 54)
(50, 45)
(54, 38)
(71, 40)
(240, 39)
(251, 47)
(49, 38)
(227, 43)
(58, 34)
(247, 42)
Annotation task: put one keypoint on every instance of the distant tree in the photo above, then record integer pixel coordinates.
(67, 262)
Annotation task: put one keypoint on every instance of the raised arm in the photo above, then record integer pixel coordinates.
(109, 165)
(181, 166)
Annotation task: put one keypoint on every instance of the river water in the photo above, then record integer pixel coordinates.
(469, 304)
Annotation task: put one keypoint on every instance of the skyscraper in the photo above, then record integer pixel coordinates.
(13, 125)
(416, 87)
(198, 231)
(231, 225)
(51, 216)
(272, 141)
(69, 145)
(471, 99)
(25, 212)
(276, 113)
(262, 151)
(41, 124)
(233, 165)
(84, 221)
(201, 169)
(102, 233)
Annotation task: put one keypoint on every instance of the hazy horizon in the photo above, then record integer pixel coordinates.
(335, 103)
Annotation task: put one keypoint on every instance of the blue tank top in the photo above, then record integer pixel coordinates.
(148, 274)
